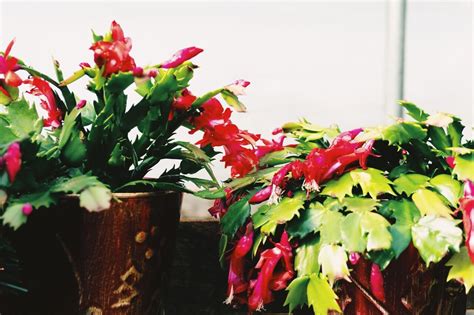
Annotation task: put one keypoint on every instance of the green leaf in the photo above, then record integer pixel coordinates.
(353, 237)
(75, 184)
(434, 236)
(222, 248)
(429, 202)
(6, 134)
(235, 217)
(278, 157)
(409, 183)
(462, 268)
(358, 204)
(372, 182)
(455, 132)
(297, 295)
(331, 227)
(321, 296)
(414, 111)
(14, 216)
(23, 119)
(210, 193)
(333, 261)
(403, 132)
(281, 212)
(232, 100)
(406, 214)
(464, 168)
(309, 221)
(95, 198)
(376, 227)
(306, 259)
(448, 187)
(287, 208)
(118, 82)
(439, 138)
(339, 188)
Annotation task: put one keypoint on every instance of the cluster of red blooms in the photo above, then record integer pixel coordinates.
(8, 67)
(241, 152)
(274, 269)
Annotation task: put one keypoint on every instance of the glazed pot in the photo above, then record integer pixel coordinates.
(110, 262)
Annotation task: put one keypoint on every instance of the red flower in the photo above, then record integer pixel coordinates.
(220, 206)
(237, 281)
(376, 282)
(114, 56)
(8, 66)
(276, 269)
(41, 88)
(467, 205)
(181, 56)
(270, 146)
(450, 161)
(241, 160)
(184, 101)
(212, 114)
(322, 164)
(12, 160)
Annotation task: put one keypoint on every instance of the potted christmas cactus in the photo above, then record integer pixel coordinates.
(367, 221)
(64, 162)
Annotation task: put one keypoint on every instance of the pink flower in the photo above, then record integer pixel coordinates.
(261, 195)
(12, 160)
(467, 206)
(181, 56)
(27, 209)
(376, 282)
(42, 89)
(8, 66)
(238, 87)
(276, 270)
(81, 104)
(237, 280)
(450, 161)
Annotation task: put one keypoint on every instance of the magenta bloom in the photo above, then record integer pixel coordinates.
(262, 195)
(41, 88)
(467, 206)
(237, 280)
(12, 160)
(181, 56)
(276, 270)
(376, 282)
(27, 209)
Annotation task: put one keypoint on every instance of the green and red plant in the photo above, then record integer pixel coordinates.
(327, 199)
(67, 145)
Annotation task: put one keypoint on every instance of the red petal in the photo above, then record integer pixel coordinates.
(12, 160)
(13, 79)
(181, 56)
(376, 283)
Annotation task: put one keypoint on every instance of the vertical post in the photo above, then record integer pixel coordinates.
(395, 56)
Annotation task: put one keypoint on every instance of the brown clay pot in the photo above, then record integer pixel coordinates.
(410, 289)
(110, 262)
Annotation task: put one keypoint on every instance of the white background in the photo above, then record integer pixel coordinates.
(323, 60)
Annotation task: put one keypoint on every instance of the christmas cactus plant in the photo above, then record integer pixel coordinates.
(312, 208)
(54, 142)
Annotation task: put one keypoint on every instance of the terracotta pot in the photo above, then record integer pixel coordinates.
(110, 262)
(410, 288)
